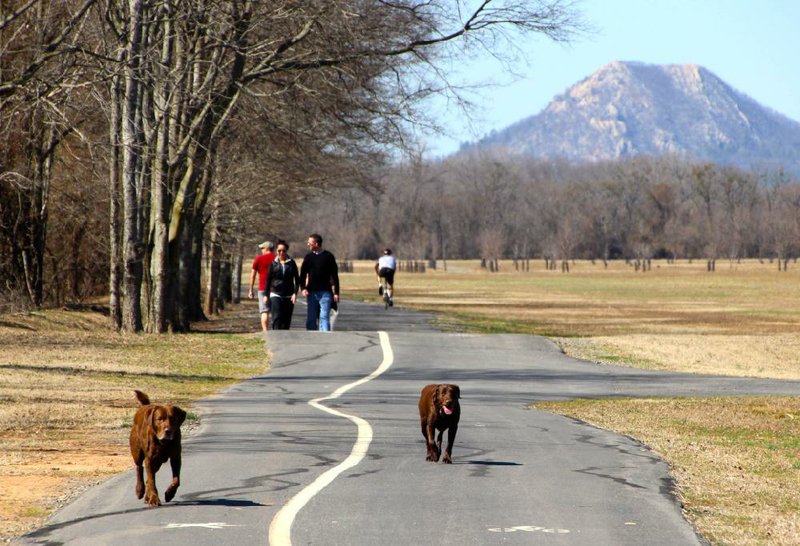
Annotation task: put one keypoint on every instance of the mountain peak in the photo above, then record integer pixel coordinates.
(628, 108)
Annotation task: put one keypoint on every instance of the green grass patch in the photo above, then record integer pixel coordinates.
(35, 512)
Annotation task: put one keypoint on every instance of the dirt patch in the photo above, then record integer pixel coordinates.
(36, 483)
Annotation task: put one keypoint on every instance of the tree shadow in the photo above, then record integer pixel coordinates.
(48, 529)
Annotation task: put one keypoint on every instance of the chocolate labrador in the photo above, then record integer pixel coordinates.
(439, 410)
(156, 438)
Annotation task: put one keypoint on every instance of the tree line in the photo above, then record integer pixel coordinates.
(491, 206)
(144, 142)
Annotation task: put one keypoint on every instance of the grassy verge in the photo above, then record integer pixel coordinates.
(736, 460)
(66, 399)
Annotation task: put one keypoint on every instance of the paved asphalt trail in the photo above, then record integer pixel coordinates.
(519, 476)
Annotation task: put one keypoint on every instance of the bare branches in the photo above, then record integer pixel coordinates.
(11, 17)
(45, 51)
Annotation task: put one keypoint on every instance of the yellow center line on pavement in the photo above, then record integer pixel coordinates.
(281, 525)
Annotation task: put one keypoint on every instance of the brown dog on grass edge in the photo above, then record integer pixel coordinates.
(439, 410)
(156, 438)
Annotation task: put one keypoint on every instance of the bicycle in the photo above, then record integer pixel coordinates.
(383, 291)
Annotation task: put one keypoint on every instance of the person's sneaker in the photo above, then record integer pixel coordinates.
(391, 302)
(380, 290)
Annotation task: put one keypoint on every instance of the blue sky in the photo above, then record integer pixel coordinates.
(753, 45)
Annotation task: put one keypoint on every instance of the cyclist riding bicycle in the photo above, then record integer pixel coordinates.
(385, 268)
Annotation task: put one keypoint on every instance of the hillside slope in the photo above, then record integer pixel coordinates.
(628, 108)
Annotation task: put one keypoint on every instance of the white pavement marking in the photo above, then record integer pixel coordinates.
(211, 525)
(281, 526)
(527, 528)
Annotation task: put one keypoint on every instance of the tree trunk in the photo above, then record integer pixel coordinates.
(213, 268)
(45, 145)
(75, 274)
(237, 276)
(225, 284)
(114, 221)
(160, 310)
(133, 248)
(212, 283)
(195, 293)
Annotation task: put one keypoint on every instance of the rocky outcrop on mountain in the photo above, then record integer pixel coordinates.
(630, 108)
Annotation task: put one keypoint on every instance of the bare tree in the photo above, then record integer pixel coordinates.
(780, 217)
(38, 76)
(704, 185)
(739, 197)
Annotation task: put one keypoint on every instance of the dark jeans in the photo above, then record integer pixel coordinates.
(281, 310)
(319, 309)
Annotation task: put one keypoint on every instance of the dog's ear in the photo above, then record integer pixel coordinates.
(180, 414)
(152, 416)
(457, 391)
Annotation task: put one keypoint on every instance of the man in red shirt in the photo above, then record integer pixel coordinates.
(261, 266)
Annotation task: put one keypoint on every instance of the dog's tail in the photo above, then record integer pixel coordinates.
(142, 397)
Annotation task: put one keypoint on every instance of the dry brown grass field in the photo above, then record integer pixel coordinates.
(66, 380)
(742, 320)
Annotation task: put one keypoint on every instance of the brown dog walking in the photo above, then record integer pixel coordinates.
(156, 438)
(439, 410)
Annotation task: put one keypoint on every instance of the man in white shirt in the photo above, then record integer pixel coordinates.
(385, 267)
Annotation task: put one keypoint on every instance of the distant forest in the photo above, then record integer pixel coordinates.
(491, 207)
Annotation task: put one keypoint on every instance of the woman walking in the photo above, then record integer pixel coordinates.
(284, 282)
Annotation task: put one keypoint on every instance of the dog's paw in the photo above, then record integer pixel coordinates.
(151, 499)
(447, 459)
(169, 494)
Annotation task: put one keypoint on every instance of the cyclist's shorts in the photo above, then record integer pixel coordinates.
(388, 273)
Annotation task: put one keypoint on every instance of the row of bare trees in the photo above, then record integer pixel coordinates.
(490, 207)
(145, 138)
